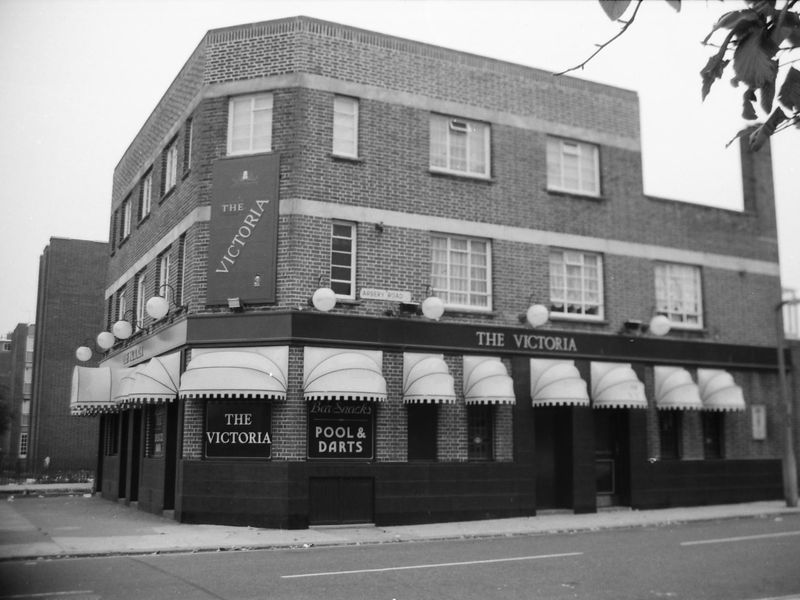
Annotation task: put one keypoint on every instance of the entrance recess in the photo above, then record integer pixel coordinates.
(553, 457)
(611, 457)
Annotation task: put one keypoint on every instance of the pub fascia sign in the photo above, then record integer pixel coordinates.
(526, 341)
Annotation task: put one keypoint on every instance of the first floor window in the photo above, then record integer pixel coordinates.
(480, 425)
(163, 277)
(669, 434)
(122, 304)
(141, 291)
(345, 126)
(250, 124)
(678, 294)
(459, 146)
(343, 259)
(188, 139)
(576, 284)
(572, 167)
(23, 445)
(713, 433)
(422, 424)
(460, 271)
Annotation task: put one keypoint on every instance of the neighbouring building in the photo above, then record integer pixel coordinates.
(69, 303)
(357, 278)
(20, 343)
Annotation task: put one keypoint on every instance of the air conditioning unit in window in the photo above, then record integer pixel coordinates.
(460, 126)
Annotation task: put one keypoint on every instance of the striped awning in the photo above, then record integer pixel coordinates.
(242, 373)
(91, 392)
(675, 389)
(718, 391)
(427, 380)
(155, 382)
(557, 382)
(342, 374)
(486, 381)
(615, 385)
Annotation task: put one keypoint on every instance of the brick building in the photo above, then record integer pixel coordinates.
(68, 304)
(18, 388)
(487, 278)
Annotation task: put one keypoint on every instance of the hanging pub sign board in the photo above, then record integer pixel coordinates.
(237, 429)
(340, 429)
(243, 238)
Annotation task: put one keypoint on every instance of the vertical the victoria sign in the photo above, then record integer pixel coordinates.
(243, 246)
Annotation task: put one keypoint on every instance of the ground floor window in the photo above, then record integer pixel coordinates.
(237, 429)
(669, 432)
(154, 430)
(111, 435)
(23, 445)
(422, 424)
(713, 433)
(480, 425)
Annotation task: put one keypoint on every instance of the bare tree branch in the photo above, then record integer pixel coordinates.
(600, 48)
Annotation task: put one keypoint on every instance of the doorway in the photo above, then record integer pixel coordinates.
(553, 439)
(612, 473)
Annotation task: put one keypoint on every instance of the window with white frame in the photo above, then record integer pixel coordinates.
(126, 218)
(146, 200)
(23, 445)
(163, 277)
(250, 124)
(122, 304)
(170, 168)
(180, 289)
(459, 146)
(460, 271)
(188, 140)
(343, 259)
(576, 284)
(573, 166)
(141, 291)
(679, 295)
(345, 126)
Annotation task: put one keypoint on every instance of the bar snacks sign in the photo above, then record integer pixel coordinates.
(341, 429)
(237, 429)
(243, 245)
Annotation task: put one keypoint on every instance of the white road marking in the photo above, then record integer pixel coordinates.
(742, 538)
(433, 565)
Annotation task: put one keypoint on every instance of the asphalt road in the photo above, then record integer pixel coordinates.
(748, 559)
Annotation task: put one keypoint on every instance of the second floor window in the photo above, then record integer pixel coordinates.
(573, 167)
(146, 198)
(345, 126)
(576, 284)
(678, 294)
(459, 146)
(170, 167)
(250, 124)
(126, 220)
(343, 259)
(460, 271)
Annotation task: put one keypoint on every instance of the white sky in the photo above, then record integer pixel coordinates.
(78, 78)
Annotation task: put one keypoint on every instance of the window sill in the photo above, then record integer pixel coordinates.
(167, 194)
(461, 176)
(345, 158)
(142, 220)
(578, 319)
(466, 312)
(574, 194)
(186, 173)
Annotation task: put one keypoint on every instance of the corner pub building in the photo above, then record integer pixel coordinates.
(357, 278)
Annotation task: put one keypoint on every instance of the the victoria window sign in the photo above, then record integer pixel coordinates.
(237, 429)
(339, 429)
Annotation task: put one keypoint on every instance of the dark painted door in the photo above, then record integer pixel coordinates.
(341, 500)
(553, 457)
(611, 457)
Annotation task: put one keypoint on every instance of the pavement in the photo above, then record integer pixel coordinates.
(53, 521)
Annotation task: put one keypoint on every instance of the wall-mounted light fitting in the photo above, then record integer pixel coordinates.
(432, 307)
(122, 329)
(659, 325)
(84, 351)
(158, 306)
(536, 315)
(323, 298)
